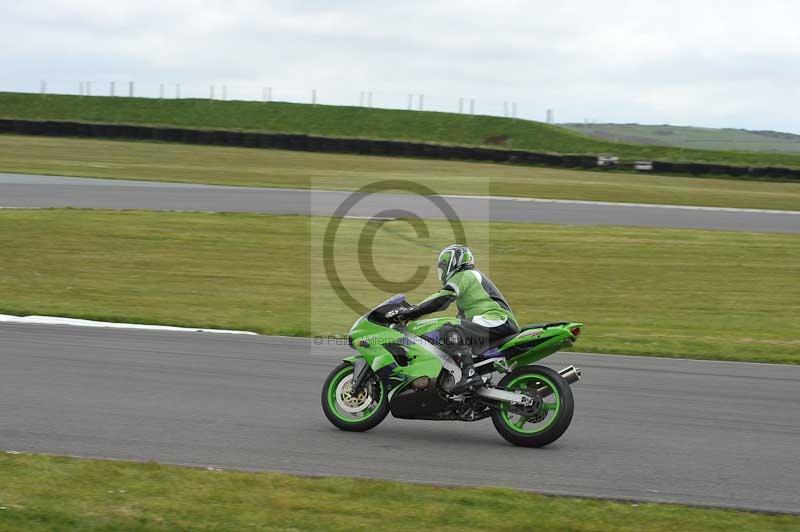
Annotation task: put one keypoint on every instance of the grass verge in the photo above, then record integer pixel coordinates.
(667, 292)
(275, 168)
(342, 121)
(46, 493)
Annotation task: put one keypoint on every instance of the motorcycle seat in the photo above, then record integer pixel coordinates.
(491, 344)
(543, 325)
(489, 349)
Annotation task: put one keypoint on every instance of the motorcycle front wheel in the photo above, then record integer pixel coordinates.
(349, 411)
(547, 420)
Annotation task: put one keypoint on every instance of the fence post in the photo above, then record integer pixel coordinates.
(313, 96)
(269, 94)
(43, 87)
(88, 88)
(410, 102)
(369, 99)
(161, 91)
(421, 102)
(177, 91)
(361, 99)
(224, 92)
(505, 109)
(460, 105)
(130, 89)
(472, 106)
(211, 92)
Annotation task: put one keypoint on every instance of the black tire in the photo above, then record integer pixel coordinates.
(561, 419)
(355, 425)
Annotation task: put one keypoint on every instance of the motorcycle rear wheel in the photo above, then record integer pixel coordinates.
(548, 422)
(357, 413)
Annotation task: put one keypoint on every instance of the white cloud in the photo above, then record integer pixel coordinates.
(704, 62)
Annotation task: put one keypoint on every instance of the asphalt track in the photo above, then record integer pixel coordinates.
(53, 191)
(697, 432)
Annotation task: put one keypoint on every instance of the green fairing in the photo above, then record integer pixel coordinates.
(370, 340)
(558, 337)
(429, 325)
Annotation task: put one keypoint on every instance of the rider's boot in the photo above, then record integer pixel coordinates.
(469, 377)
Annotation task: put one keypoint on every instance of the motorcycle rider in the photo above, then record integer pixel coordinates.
(484, 314)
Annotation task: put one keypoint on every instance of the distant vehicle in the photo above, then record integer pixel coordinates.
(607, 160)
(400, 369)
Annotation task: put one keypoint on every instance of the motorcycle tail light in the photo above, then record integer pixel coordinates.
(575, 331)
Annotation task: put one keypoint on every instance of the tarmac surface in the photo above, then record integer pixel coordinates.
(650, 429)
(52, 191)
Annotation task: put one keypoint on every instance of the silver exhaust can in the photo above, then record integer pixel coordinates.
(571, 374)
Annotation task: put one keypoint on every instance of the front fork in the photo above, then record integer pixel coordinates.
(382, 366)
(360, 373)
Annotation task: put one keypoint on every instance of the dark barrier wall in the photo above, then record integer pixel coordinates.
(363, 146)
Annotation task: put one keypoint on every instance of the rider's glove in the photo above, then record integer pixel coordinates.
(400, 314)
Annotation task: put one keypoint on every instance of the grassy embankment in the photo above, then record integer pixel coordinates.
(276, 168)
(44, 493)
(356, 122)
(687, 293)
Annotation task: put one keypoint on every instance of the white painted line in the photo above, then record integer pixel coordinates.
(385, 218)
(620, 204)
(55, 320)
(678, 359)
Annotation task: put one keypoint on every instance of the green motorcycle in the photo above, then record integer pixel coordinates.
(401, 369)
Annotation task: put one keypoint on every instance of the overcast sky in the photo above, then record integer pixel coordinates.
(732, 63)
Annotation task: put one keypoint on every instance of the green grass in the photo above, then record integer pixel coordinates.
(46, 493)
(276, 168)
(667, 292)
(704, 138)
(356, 122)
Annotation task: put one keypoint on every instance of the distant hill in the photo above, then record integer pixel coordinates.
(699, 138)
(359, 122)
